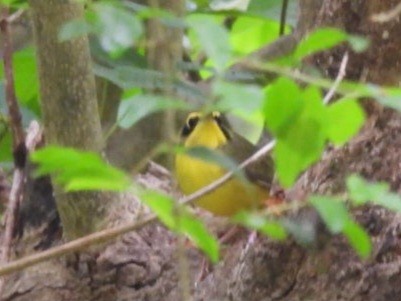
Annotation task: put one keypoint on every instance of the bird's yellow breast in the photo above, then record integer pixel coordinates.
(193, 174)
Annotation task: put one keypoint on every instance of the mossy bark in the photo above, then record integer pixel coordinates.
(69, 105)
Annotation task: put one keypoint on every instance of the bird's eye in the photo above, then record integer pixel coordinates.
(189, 125)
(192, 122)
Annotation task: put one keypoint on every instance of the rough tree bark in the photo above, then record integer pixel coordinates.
(141, 266)
(69, 106)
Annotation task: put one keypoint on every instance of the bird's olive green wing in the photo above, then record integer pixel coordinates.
(260, 172)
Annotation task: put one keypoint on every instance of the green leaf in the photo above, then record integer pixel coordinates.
(358, 43)
(362, 191)
(358, 239)
(180, 220)
(162, 205)
(24, 65)
(282, 105)
(333, 212)
(117, 28)
(135, 108)
(5, 143)
(241, 97)
(345, 118)
(128, 77)
(213, 37)
(270, 228)
(79, 170)
(319, 40)
(197, 233)
(300, 136)
(249, 34)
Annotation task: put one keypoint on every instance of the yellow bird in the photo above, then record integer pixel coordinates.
(213, 131)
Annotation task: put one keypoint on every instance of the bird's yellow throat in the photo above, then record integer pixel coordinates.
(212, 131)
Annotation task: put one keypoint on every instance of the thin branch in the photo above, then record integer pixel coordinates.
(339, 78)
(19, 148)
(387, 16)
(283, 17)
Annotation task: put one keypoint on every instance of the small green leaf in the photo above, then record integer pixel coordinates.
(358, 239)
(270, 228)
(282, 105)
(301, 142)
(197, 232)
(358, 43)
(213, 37)
(178, 219)
(79, 170)
(319, 40)
(239, 97)
(135, 108)
(345, 118)
(162, 205)
(362, 191)
(333, 212)
(116, 27)
(249, 33)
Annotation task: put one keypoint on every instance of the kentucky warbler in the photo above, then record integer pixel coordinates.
(213, 131)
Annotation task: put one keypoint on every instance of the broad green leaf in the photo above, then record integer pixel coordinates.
(128, 77)
(241, 97)
(117, 28)
(319, 40)
(270, 228)
(198, 233)
(358, 239)
(249, 34)
(137, 107)
(288, 163)
(282, 105)
(345, 118)
(362, 192)
(178, 219)
(213, 37)
(301, 136)
(332, 211)
(162, 205)
(78, 170)
(25, 78)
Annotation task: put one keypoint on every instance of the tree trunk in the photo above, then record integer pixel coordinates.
(68, 101)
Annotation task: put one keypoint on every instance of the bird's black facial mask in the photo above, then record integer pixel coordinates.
(190, 124)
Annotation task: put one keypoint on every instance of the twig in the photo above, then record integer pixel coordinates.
(339, 78)
(209, 188)
(19, 148)
(283, 17)
(109, 234)
(388, 15)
